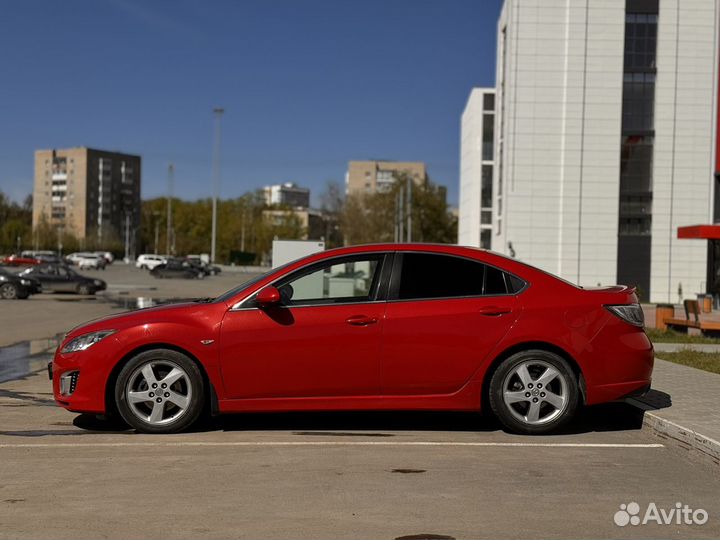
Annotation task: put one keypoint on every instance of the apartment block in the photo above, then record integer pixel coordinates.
(87, 192)
(378, 176)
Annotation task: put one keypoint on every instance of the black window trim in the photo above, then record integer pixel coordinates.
(394, 288)
(379, 294)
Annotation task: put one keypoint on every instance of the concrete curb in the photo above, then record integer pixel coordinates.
(682, 437)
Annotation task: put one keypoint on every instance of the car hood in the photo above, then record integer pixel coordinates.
(144, 316)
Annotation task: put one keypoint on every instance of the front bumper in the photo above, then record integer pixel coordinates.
(85, 375)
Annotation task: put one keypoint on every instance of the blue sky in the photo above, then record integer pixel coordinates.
(306, 84)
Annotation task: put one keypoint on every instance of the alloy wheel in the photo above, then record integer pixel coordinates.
(8, 291)
(535, 392)
(159, 392)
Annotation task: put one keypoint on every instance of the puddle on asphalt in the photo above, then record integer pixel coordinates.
(21, 359)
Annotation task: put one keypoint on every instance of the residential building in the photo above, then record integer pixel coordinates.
(313, 222)
(477, 158)
(287, 194)
(605, 140)
(87, 192)
(378, 176)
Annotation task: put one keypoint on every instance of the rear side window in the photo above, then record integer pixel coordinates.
(427, 275)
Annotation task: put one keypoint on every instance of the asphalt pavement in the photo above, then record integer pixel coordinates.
(322, 475)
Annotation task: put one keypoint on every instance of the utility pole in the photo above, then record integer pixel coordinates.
(171, 187)
(409, 209)
(218, 112)
(242, 231)
(401, 231)
(127, 236)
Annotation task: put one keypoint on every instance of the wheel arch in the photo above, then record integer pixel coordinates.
(525, 346)
(110, 406)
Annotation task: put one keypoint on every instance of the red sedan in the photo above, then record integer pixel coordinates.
(394, 326)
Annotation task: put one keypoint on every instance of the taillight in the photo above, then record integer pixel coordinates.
(630, 313)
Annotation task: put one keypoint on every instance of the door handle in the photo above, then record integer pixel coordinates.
(360, 320)
(494, 311)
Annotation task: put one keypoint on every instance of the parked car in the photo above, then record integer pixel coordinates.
(386, 326)
(13, 286)
(86, 260)
(148, 261)
(62, 278)
(19, 260)
(177, 268)
(107, 255)
(92, 261)
(206, 268)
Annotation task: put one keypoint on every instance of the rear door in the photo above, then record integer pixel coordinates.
(445, 314)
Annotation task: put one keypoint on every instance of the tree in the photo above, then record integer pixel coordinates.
(372, 217)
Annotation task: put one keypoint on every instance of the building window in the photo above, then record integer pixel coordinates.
(488, 135)
(636, 154)
(485, 217)
(486, 187)
(640, 40)
(485, 238)
(489, 102)
(638, 102)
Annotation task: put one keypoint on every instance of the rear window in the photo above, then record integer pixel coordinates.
(429, 275)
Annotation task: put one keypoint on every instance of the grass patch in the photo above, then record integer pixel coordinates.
(699, 360)
(670, 336)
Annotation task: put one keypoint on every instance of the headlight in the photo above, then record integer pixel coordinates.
(86, 341)
(98, 282)
(25, 282)
(630, 313)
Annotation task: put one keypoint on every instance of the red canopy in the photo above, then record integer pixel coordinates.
(703, 232)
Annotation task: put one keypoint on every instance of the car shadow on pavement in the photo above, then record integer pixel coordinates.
(598, 418)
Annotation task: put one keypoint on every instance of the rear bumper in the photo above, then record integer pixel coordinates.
(618, 363)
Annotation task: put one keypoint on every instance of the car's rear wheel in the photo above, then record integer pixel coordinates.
(160, 391)
(534, 392)
(8, 291)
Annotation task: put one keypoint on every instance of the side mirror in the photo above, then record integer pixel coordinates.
(268, 296)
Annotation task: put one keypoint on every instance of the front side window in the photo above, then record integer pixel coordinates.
(345, 280)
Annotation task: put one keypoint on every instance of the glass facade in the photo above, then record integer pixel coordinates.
(636, 145)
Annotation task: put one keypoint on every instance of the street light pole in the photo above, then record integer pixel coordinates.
(171, 186)
(218, 112)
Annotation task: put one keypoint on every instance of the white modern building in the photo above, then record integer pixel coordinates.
(605, 137)
(476, 172)
(287, 194)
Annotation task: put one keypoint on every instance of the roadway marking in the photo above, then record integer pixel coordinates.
(328, 443)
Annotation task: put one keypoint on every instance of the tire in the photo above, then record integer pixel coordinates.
(85, 290)
(181, 402)
(521, 388)
(8, 291)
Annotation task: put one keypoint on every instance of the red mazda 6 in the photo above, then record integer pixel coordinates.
(394, 326)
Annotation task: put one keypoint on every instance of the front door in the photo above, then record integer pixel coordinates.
(323, 340)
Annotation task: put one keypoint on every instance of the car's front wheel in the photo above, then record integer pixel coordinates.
(534, 392)
(160, 391)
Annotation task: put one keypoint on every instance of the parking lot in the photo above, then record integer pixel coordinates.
(312, 475)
